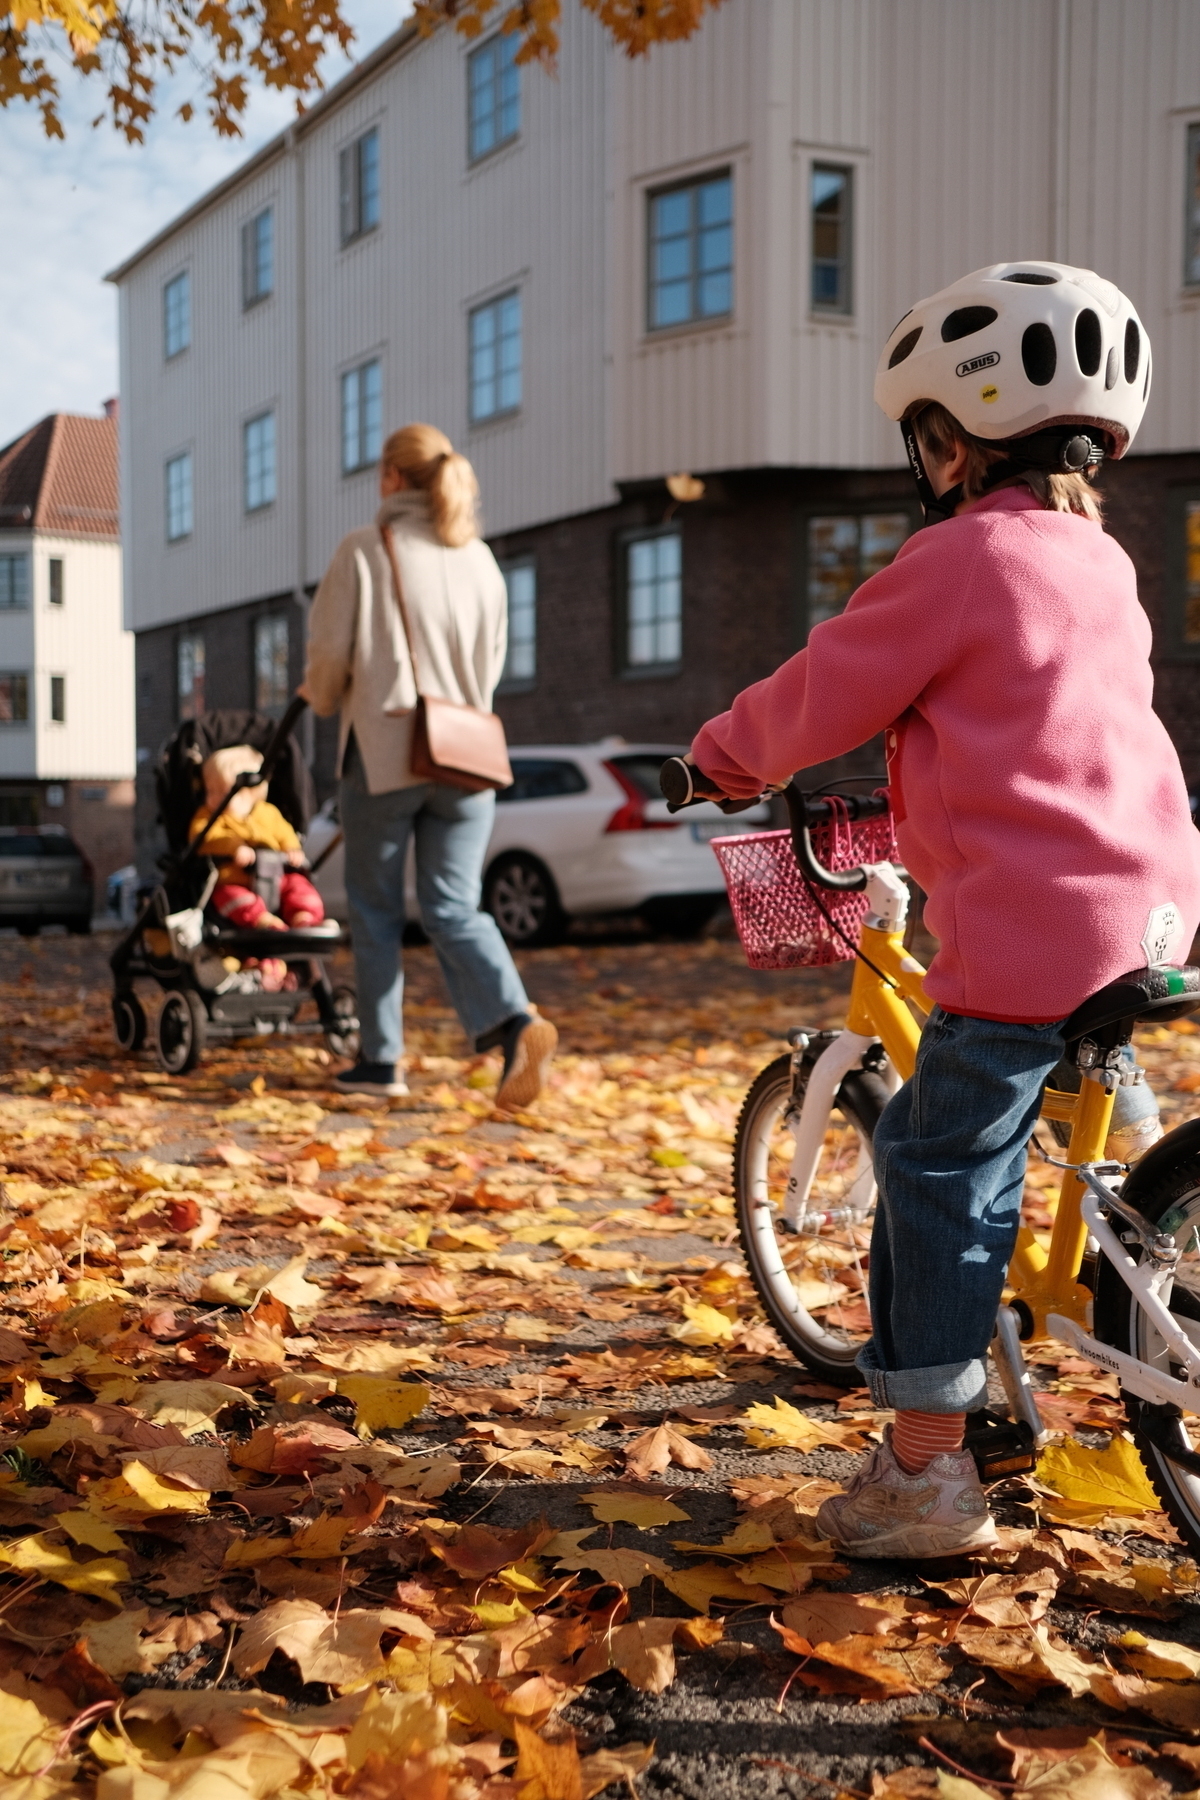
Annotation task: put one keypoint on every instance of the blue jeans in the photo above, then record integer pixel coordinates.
(452, 831)
(950, 1154)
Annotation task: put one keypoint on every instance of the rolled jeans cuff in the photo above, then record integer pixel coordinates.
(946, 1388)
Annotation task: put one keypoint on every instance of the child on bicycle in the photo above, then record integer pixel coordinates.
(1039, 803)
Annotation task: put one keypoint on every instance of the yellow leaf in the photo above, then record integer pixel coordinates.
(116, 1645)
(394, 1727)
(138, 1489)
(625, 1568)
(1112, 1480)
(192, 1405)
(289, 1287)
(86, 1528)
(783, 1426)
(381, 1404)
(28, 1738)
(547, 1771)
(698, 1587)
(54, 1562)
(642, 1510)
(702, 1325)
(749, 1538)
(1163, 1661)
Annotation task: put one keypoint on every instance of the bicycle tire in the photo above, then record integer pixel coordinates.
(1165, 1187)
(860, 1100)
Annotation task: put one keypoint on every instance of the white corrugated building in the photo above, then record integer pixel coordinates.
(595, 278)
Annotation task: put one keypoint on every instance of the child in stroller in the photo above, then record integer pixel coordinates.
(249, 824)
(248, 971)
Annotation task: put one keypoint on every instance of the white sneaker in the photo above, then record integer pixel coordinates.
(885, 1512)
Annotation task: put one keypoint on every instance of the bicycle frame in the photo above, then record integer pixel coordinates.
(1047, 1297)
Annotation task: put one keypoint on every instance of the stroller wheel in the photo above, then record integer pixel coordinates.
(182, 1030)
(345, 1039)
(129, 1022)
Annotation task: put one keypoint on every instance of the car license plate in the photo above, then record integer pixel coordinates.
(49, 880)
(705, 830)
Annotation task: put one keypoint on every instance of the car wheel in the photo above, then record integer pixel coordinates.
(681, 916)
(520, 894)
(129, 1022)
(182, 1031)
(80, 925)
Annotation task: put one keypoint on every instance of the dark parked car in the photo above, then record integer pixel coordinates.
(45, 879)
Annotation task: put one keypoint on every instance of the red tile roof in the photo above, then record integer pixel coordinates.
(61, 476)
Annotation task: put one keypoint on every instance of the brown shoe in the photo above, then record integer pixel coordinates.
(526, 1064)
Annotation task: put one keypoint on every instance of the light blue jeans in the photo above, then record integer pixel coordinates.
(452, 831)
(950, 1153)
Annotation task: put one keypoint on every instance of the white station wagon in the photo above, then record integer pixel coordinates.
(583, 830)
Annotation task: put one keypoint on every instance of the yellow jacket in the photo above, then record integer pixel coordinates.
(263, 828)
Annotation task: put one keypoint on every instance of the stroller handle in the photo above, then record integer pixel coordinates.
(280, 736)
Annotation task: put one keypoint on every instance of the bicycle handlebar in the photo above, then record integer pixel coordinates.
(684, 785)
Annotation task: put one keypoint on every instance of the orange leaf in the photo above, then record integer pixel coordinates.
(550, 1771)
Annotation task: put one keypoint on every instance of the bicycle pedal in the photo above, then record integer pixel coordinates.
(1000, 1447)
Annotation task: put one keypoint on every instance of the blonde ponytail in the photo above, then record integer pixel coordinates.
(429, 462)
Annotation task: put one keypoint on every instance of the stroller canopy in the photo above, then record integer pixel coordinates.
(180, 782)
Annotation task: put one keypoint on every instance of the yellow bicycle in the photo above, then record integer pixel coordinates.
(1118, 1280)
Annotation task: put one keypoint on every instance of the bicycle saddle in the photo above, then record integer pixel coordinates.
(1162, 993)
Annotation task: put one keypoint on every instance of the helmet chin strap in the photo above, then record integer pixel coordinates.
(936, 507)
(1058, 451)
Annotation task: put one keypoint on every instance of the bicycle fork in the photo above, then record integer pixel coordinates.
(844, 1053)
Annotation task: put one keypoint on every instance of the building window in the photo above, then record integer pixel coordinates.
(358, 186)
(842, 551)
(831, 194)
(653, 621)
(362, 416)
(493, 95)
(56, 581)
(520, 664)
(179, 497)
(189, 676)
(495, 340)
(272, 689)
(691, 252)
(258, 461)
(14, 580)
(258, 257)
(14, 697)
(177, 314)
(58, 699)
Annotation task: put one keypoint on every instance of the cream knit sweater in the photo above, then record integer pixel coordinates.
(357, 656)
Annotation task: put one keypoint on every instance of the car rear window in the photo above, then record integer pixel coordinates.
(643, 771)
(29, 844)
(543, 778)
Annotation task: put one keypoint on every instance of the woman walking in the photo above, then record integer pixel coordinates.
(359, 661)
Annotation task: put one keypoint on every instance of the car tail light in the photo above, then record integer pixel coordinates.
(631, 816)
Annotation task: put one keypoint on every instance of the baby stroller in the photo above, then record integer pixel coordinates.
(197, 958)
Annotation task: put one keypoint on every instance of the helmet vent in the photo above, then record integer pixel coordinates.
(1112, 368)
(1039, 354)
(1088, 345)
(966, 320)
(905, 347)
(1146, 389)
(1031, 278)
(1133, 349)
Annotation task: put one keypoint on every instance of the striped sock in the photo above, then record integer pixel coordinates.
(917, 1437)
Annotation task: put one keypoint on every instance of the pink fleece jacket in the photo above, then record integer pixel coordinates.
(1040, 802)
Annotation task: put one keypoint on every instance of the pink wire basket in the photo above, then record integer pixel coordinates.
(779, 922)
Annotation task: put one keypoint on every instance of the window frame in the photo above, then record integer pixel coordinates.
(181, 278)
(474, 56)
(520, 684)
(626, 670)
(249, 507)
(56, 589)
(58, 700)
(802, 620)
(10, 559)
(690, 184)
(21, 675)
(842, 309)
(272, 621)
(1175, 596)
(492, 304)
(252, 294)
(179, 537)
(190, 639)
(355, 373)
(351, 210)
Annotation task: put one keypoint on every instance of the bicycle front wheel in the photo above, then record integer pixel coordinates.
(812, 1281)
(1166, 1190)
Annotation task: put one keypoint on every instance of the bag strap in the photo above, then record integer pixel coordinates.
(385, 532)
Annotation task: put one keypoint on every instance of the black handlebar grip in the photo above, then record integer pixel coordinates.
(675, 782)
(845, 881)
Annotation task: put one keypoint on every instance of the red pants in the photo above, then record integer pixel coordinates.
(242, 906)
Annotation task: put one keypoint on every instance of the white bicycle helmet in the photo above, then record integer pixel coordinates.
(1018, 352)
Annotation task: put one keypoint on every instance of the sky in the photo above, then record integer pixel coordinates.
(71, 211)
